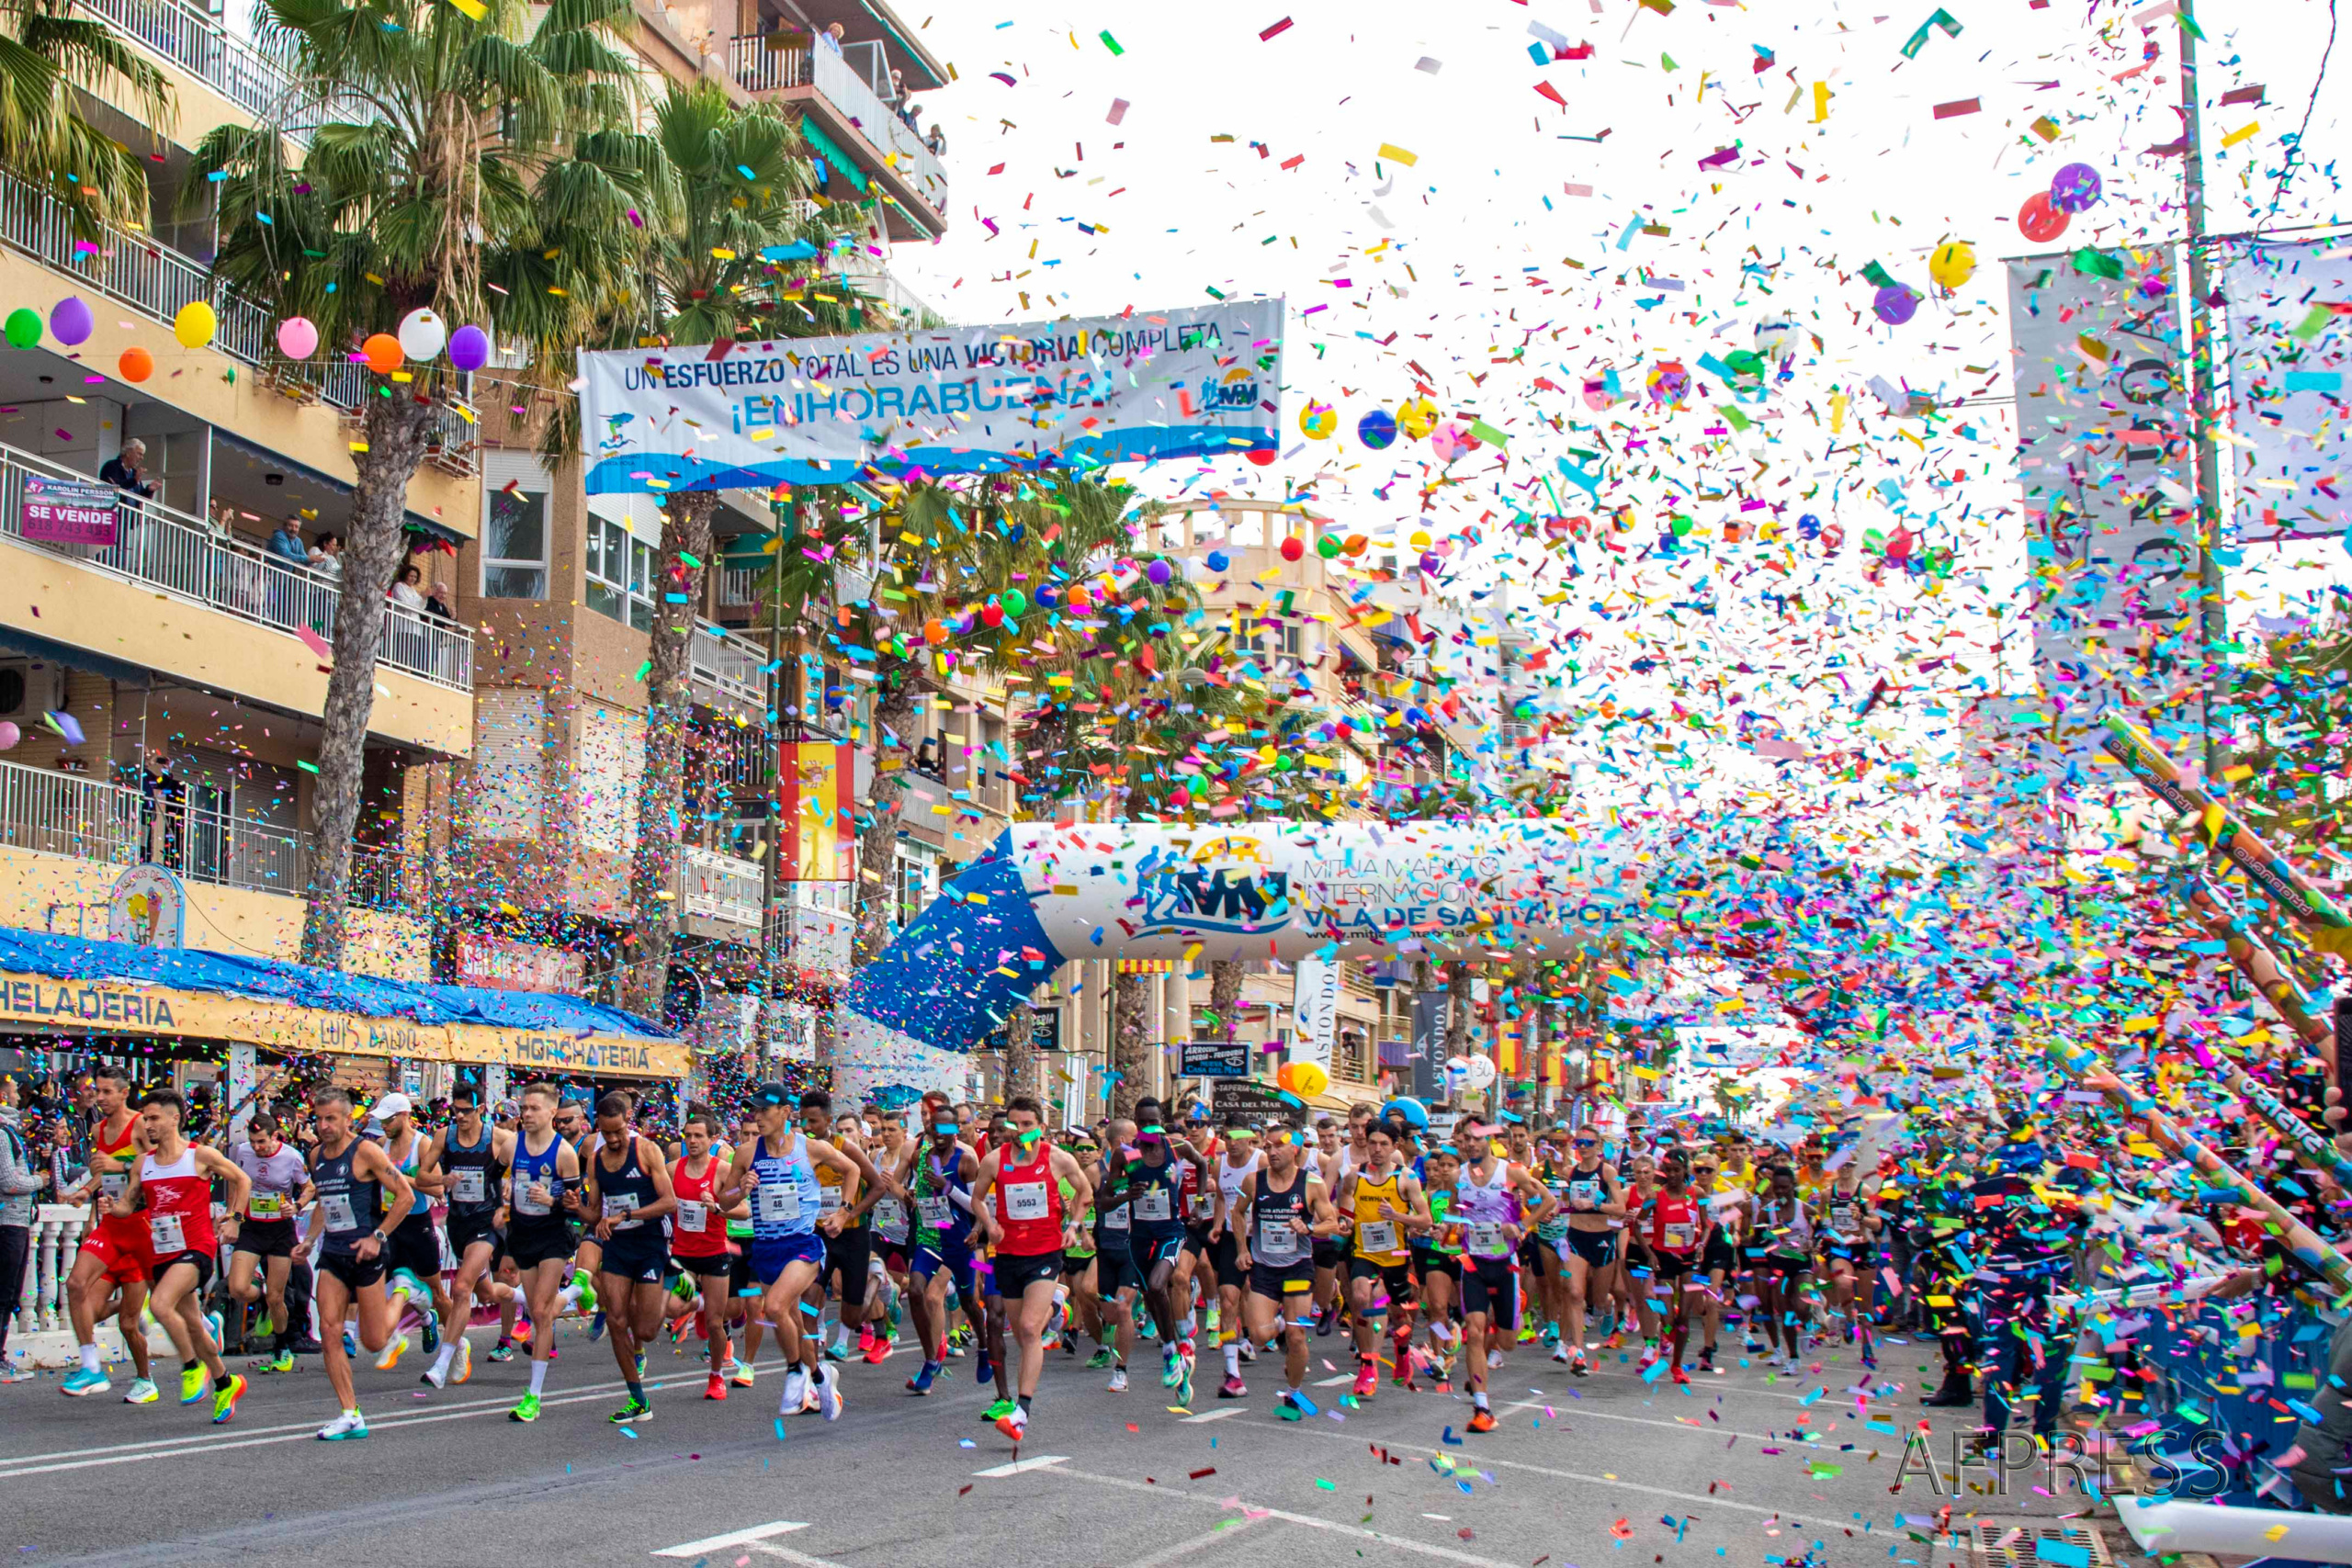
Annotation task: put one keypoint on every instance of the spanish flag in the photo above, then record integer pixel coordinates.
(814, 839)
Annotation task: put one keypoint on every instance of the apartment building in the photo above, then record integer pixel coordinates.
(166, 678)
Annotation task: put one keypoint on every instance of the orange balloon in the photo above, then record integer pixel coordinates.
(1283, 1076)
(934, 632)
(383, 353)
(136, 364)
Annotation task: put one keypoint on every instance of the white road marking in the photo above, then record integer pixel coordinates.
(1019, 1466)
(733, 1537)
(1403, 1543)
(1586, 1411)
(1210, 1415)
(1183, 1549)
(785, 1554)
(1334, 1382)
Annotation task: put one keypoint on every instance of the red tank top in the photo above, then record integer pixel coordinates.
(1671, 1224)
(697, 1200)
(1028, 1204)
(129, 1231)
(178, 1216)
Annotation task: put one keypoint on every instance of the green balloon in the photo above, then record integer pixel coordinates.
(24, 328)
(1014, 601)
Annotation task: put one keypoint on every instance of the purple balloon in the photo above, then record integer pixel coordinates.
(2076, 188)
(1432, 564)
(1159, 571)
(1895, 304)
(70, 321)
(468, 348)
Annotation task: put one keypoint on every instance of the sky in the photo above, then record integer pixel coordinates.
(1447, 216)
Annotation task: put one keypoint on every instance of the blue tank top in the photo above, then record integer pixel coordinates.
(537, 1169)
(785, 1202)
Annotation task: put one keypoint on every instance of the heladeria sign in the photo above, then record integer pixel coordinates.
(1195, 382)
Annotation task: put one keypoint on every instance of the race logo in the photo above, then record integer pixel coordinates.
(1225, 886)
(1230, 391)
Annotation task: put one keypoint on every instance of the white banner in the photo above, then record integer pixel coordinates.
(1314, 1012)
(2104, 458)
(2290, 316)
(1201, 381)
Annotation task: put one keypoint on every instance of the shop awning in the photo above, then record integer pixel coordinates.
(69, 986)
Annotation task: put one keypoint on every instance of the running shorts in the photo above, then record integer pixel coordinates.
(125, 1258)
(1015, 1272)
(1598, 1249)
(1276, 1285)
(772, 1256)
(531, 1241)
(202, 1261)
(356, 1273)
(848, 1252)
(627, 1258)
(1491, 1285)
(267, 1238)
(416, 1248)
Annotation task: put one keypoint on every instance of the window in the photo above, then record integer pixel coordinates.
(620, 574)
(514, 544)
(918, 880)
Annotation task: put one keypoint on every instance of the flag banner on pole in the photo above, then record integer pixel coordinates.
(2290, 331)
(814, 838)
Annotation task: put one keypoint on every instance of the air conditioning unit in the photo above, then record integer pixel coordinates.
(29, 688)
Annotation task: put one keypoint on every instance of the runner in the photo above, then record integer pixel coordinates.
(1437, 1265)
(847, 1253)
(1116, 1281)
(361, 1196)
(472, 1159)
(1020, 1209)
(743, 1290)
(892, 1224)
(110, 1277)
(543, 1174)
(1847, 1229)
(1236, 1168)
(1728, 1214)
(262, 1235)
(1332, 1161)
(943, 1168)
(698, 1239)
(1594, 1196)
(173, 1185)
(1080, 1309)
(627, 1192)
(1283, 1214)
(414, 1263)
(1494, 1200)
(1781, 1251)
(579, 1292)
(1152, 1198)
(1388, 1205)
(1669, 1230)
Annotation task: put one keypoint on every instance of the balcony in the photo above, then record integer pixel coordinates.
(195, 41)
(847, 97)
(191, 559)
(717, 890)
(727, 666)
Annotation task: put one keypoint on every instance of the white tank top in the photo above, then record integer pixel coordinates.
(1234, 1179)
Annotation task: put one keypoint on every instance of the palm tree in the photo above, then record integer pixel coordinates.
(464, 132)
(49, 55)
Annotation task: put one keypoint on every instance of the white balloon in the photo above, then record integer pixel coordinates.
(1773, 335)
(1479, 1070)
(422, 336)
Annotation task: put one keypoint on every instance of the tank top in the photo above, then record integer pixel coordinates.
(832, 1189)
(1117, 1219)
(1028, 1203)
(1273, 1241)
(940, 1221)
(1787, 1229)
(628, 1187)
(696, 1230)
(474, 1174)
(1445, 1225)
(1670, 1224)
(1157, 1202)
(1845, 1216)
(351, 1206)
(531, 1170)
(179, 1206)
(278, 1181)
(1085, 1222)
(784, 1202)
(419, 1218)
(125, 1228)
(1232, 1179)
(1485, 1210)
(888, 1217)
(1380, 1216)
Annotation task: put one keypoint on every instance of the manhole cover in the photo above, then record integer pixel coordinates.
(2032, 1543)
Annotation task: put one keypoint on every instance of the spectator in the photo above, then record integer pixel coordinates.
(21, 1179)
(127, 472)
(160, 820)
(408, 591)
(287, 543)
(830, 39)
(66, 1170)
(438, 600)
(936, 140)
(326, 557)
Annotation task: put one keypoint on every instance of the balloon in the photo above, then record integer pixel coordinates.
(1895, 304)
(1479, 1070)
(422, 336)
(1451, 441)
(1217, 561)
(1294, 548)
(1376, 429)
(23, 328)
(2074, 189)
(1263, 457)
(1180, 796)
(1283, 1074)
(195, 325)
(2039, 221)
(1952, 264)
(1432, 564)
(1316, 421)
(70, 321)
(1327, 545)
(1774, 335)
(1416, 418)
(136, 364)
(468, 348)
(992, 616)
(383, 353)
(1077, 597)
(1307, 1079)
(9, 736)
(1411, 1109)
(297, 338)
(1159, 572)
(1014, 600)
(1357, 543)
(935, 631)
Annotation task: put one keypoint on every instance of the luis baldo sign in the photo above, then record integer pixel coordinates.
(120, 1007)
(1195, 382)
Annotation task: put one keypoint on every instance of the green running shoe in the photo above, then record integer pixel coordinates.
(525, 1409)
(632, 1411)
(1002, 1407)
(1101, 1359)
(192, 1384)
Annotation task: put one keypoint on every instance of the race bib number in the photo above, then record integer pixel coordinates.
(267, 1206)
(934, 1212)
(616, 1208)
(1152, 1205)
(779, 1204)
(113, 1183)
(338, 1211)
(1585, 1193)
(1841, 1218)
(1680, 1237)
(1277, 1243)
(1117, 1219)
(890, 1217)
(1026, 1200)
(470, 1184)
(1204, 1205)
(1486, 1239)
(166, 1234)
(829, 1200)
(527, 1203)
(692, 1218)
(1377, 1235)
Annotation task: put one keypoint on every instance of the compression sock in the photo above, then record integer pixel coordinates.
(1233, 1357)
(89, 1357)
(538, 1376)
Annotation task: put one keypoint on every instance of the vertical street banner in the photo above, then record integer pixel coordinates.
(2106, 461)
(1429, 1043)
(2289, 334)
(1201, 381)
(814, 838)
(1315, 1010)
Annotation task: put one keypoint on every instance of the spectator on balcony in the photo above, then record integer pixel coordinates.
(830, 39)
(936, 140)
(438, 600)
(127, 472)
(326, 557)
(407, 591)
(161, 822)
(287, 543)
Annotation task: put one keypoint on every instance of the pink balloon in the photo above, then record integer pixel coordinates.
(297, 338)
(9, 736)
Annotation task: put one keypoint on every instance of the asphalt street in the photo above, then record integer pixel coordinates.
(1744, 1469)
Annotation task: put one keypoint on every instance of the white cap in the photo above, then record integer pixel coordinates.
(391, 1105)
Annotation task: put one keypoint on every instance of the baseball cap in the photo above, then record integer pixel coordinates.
(391, 1105)
(771, 1094)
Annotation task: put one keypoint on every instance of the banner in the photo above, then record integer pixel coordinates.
(814, 838)
(2105, 462)
(2291, 314)
(1200, 381)
(1314, 1012)
(66, 512)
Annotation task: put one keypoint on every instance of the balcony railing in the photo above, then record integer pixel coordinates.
(197, 43)
(192, 560)
(727, 662)
(740, 586)
(65, 814)
(720, 887)
(759, 69)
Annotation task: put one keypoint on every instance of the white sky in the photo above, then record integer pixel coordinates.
(1477, 228)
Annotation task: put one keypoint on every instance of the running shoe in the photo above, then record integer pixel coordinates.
(1576, 1367)
(1013, 1423)
(1171, 1370)
(1118, 1384)
(394, 1347)
(220, 1333)
(1560, 1354)
(84, 1382)
(921, 1382)
(1367, 1379)
(1324, 1320)
(1680, 1376)
(630, 1412)
(16, 1372)
(142, 1392)
(595, 1327)
(192, 1382)
(432, 1327)
(525, 1408)
(1494, 1360)
(877, 1349)
(224, 1402)
(998, 1409)
(984, 1369)
(1232, 1388)
(738, 1373)
(1288, 1407)
(587, 1283)
(829, 1397)
(1101, 1359)
(1482, 1420)
(1185, 1385)
(1248, 1350)
(837, 1349)
(717, 1389)
(502, 1351)
(1707, 1358)
(347, 1427)
(1551, 1334)
(465, 1362)
(281, 1362)
(796, 1387)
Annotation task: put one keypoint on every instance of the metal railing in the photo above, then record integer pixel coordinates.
(720, 887)
(871, 275)
(192, 560)
(741, 584)
(197, 42)
(759, 69)
(67, 813)
(731, 664)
